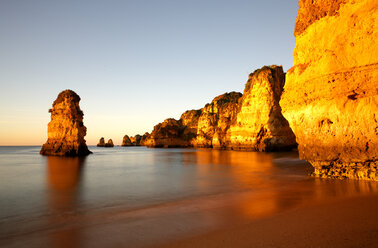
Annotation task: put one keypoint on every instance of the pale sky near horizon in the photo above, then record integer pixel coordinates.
(133, 63)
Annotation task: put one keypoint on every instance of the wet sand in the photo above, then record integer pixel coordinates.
(350, 222)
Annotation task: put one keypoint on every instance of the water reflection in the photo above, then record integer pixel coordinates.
(268, 183)
(142, 196)
(63, 187)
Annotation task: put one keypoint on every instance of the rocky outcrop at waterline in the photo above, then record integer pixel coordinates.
(66, 130)
(330, 97)
(101, 142)
(259, 124)
(169, 133)
(137, 140)
(175, 133)
(252, 121)
(144, 138)
(109, 143)
(216, 119)
(126, 141)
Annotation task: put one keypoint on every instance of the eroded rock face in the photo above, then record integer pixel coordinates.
(252, 121)
(215, 120)
(330, 97)
(101, 142)
(259, 124)
(189, 120)
(126, 141)
(135, 140)
(66, 130)
(174, 133)
(144, 138)
(167, 134)
(109, 143)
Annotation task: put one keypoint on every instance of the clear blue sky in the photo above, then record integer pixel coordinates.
(133, 63)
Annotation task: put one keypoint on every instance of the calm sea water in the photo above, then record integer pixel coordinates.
(136, 196)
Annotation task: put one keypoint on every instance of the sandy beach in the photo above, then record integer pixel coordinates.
(351, 222)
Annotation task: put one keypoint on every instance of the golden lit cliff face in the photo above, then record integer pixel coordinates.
(216, 118)
(252, 121)
(167, 134)
(259, 124)
(330, 97)
(126, 141)
(66, 130)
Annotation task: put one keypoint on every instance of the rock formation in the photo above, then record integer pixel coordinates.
(101, 142)
(167, 134)
(252, 121)
(330, 97)
(259, 124)
(215, 120)
(109, 143)
(66, 130)
(135, 140)
(144, 138)
(175, 133)
(126, 141)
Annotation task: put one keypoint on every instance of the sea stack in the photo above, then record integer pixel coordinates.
(66, 130)
(331, 93)
(259, 124)
(101, 142)
(109, 143)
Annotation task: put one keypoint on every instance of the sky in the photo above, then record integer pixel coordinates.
(133, 63)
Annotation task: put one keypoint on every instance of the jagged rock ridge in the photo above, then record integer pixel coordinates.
(252, 121)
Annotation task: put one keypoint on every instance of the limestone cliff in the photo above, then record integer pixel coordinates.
(252, 121)
(330, 97)
(66, 130)
(175, 133)
(135, 140)
(215, 120)
(167, 134)
(189, 120)
(126, 141)
(144, 138)
(259, 124)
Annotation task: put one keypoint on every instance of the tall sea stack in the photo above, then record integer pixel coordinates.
(259, 124)
(66, 130)
(331, 93)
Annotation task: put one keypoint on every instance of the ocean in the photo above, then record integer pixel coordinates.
(137, 197)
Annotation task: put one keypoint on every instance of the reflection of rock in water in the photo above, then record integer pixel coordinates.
(63, 177)
(263, 185)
